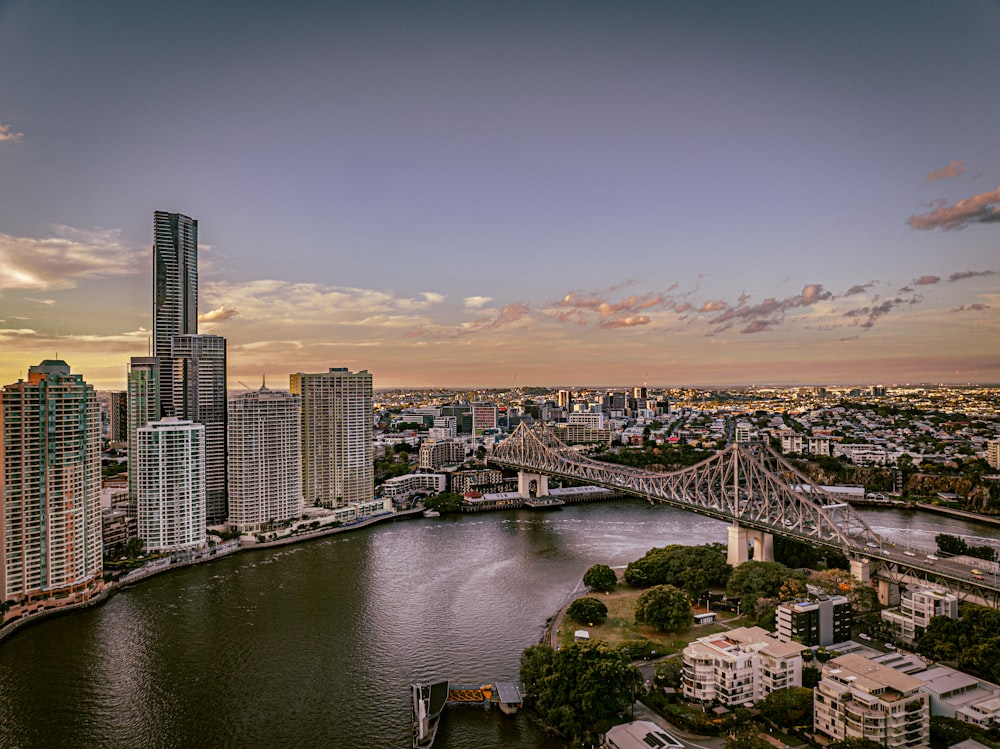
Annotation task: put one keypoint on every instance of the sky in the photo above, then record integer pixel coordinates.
(489, 194)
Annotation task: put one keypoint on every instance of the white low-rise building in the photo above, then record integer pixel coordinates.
(400, 488)
(916, 609)
(739, 667)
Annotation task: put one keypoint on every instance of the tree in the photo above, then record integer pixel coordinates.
(600, 577)
(747, 738)
(753, 580)
(792, 706)
(587, 610)
(693, 568)
(664, 607)
(580, 689)
(855, 744)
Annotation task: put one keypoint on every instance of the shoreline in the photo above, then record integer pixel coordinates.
(110, 589)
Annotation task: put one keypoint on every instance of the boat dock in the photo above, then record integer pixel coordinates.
(429, 701)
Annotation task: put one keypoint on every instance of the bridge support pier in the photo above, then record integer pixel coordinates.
(862, 570)
(763, 546)
(532, 485)
(888, 593)
(736, 554)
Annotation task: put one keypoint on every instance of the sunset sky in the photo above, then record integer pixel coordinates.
(539, 193)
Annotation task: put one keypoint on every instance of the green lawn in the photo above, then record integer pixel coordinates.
(620, 624)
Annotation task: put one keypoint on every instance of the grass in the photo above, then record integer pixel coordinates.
(620, 624)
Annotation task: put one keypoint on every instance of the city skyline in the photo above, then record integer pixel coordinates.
(468, 196)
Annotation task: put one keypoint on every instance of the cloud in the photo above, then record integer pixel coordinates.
(586, 307)
(978, 209)
(769, 313)
(40, 301)
(926, 280)
(217, 315)
(962, 275)
(976, 307)
(858, 289)
(7, 134)
(62, 261)
(477, 302)
(713, 305)
(874, 312)
(954, 169)
(289, 302)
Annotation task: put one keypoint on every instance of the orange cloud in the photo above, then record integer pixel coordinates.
(979, 209)
(954, 169)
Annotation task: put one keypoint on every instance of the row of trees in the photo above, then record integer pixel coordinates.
(955, 546)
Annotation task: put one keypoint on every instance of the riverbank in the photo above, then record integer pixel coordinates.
(160, 566)
(965, 515)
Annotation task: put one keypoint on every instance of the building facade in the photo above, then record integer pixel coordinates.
(434, 455)
(175, 291)
(860, 699)
(993, 454)
(337, 451)
(741, 666)
(118, 408)
(50, 486)
(143, 407)
(823, 620)
(484, 418)
(199, 395)
(170, 478)
(265, 463)
(916, 609)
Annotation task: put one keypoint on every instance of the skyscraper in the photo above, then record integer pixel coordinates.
(199, 394)
(265, 484)
(337, 452)
(118, 406)
(170, 483)
(143, 407)
(175, 290)
(50, 486)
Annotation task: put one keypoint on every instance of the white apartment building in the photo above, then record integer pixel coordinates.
(993, 454)
(170, 484)
(592, 419)
(739, 667)
(447, 427)
(265, 464)
(50, 485)
(916, 609)
(434, 455)
(859, 698)
(337, 451)
(863, 455)
(792, 442)
(399, 488)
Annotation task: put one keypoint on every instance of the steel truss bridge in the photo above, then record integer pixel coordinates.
(751, 486)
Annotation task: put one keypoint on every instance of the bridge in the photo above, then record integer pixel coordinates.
(755, 489)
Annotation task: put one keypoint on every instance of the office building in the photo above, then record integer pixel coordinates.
(199, 395)
(823, 620)
(118, 406)
(337, 451)
(740, 666)
(175, 291)
(265, 483)
(858, 698)
(143, 381)
(50, 486)
(916, 609)
(484, 418)
(563, 398)
(170, 484)
(446, 426)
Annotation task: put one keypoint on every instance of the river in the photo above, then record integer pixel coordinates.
(315, 645)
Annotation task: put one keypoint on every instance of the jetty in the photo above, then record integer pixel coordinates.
(430, 699)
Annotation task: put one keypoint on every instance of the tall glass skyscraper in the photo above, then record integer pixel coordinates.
(143, 407)
(199, 394)
(50, 486)
(175, 290)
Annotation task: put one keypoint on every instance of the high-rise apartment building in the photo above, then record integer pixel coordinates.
(563, 398)
(50, 486)
(825, 620)
(118, 406)
(143, 407)
(484, 418)
(199, 395)
(993, 454)
(265, 485)
(337, 451)
(175, 291)
(169, 473)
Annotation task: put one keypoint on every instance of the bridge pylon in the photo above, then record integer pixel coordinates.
(739, 542)
(532, 485)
